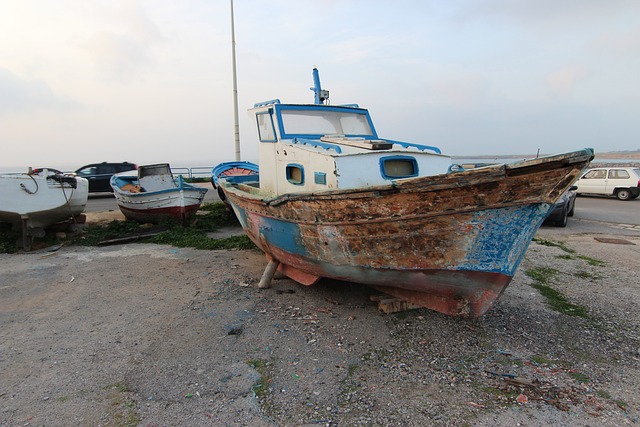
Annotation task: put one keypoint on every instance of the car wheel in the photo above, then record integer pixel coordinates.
(562, 221)
(623, 194)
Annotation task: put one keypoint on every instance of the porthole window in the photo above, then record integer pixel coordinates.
(295, 174)
(397, 167)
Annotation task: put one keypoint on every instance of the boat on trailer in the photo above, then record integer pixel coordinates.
(152, 194)
(37, 199)
(334, 200)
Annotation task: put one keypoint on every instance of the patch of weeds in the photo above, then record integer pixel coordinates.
(184, 237)
(603, 394)
(539, 360)
(123, 411)
(621, 404)
(348, 386)
(559, 302)
(500, 393)
(592, 261)
(63, 399)
(556, 300)
(11, 240)
(113, 230)
(352, 370)
(545, 242)
(211, 217)
(587, 276)
(119, 387)
(8, 241)
(567, 256)
(216, 215)
(579, 377)
(542, 275)
(261, 387)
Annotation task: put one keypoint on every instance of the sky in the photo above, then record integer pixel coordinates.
(147, 81)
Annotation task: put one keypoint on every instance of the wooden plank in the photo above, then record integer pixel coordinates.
(389, 305)
(372, 144)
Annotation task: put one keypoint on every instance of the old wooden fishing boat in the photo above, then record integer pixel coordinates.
(35, 200)
(152, 194)
(335, 200)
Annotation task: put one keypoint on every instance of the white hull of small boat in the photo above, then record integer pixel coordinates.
(36, 201)
(155, 194)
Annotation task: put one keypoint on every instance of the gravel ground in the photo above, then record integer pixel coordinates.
(152, 335)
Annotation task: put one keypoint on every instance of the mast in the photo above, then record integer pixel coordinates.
(320, 95)
(236, 127)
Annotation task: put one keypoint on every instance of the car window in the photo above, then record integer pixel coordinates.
(618, 174)
(87, 171)
(595, 174)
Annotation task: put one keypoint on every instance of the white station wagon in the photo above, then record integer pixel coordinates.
(624, 183)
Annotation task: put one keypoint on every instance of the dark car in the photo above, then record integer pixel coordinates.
(563, 208)
(99, 174)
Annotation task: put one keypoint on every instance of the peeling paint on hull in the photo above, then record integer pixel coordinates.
(450, 242)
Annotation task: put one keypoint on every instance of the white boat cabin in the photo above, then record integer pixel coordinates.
(317, 147)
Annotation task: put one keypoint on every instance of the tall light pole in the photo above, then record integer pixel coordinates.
(235, 87)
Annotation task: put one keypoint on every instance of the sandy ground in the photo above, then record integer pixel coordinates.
(153, 335)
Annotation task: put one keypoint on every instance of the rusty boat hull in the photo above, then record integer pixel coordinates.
(449, 242)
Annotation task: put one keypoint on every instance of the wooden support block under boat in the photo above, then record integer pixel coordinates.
(388, 304)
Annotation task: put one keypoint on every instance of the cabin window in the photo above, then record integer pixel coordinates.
(325, 121)
(295, 174)
(397, 167)
(266, 131)
(320, 178)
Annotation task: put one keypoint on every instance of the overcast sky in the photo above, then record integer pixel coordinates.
(148, 81)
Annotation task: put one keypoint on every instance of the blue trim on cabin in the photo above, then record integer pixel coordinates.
(385, 159)
(418, 146)
(283, 107)
(317, 144)
(265, 103)
(292, 166)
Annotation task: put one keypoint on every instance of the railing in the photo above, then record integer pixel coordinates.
(195, 172)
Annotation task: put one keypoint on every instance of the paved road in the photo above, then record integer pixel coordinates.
(602, 215)
(593, 214)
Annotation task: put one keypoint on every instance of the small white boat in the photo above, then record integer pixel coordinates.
(155, 194)
(34, 201)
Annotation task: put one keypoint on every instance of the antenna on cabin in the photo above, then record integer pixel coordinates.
(235, 88)
(320, 95)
